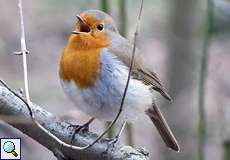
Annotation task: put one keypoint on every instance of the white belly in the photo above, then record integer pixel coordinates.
(103, 100)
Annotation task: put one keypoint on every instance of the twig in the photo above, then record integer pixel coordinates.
(127, 83)
(11, 105)
(123, 30)
(61, 143)
(105, 6)
(23, 51)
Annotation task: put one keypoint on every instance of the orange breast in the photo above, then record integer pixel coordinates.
(81, 66)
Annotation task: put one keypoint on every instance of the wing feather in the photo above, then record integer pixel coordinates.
(122, 48)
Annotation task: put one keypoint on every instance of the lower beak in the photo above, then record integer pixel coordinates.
(75, 32)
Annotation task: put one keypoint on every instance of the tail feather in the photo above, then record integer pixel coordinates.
(163, 128)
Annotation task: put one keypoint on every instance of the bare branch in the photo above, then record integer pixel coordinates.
(23, 51)
(12, 106)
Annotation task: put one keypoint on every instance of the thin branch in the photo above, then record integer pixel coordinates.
(123, 30)
(54, 137)
(11, 106)
(128, 79)
(105, 6)
(23, 51)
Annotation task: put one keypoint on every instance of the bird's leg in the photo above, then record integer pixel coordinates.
(84, 127)
(113, 141)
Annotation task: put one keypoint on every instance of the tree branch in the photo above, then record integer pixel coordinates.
(14, 112)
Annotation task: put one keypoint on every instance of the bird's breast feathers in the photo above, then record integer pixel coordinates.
(82, 66)
(102, 99)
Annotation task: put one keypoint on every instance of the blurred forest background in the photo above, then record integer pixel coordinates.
(187, 43)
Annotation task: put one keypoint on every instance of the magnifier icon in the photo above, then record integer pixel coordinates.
(9, 147)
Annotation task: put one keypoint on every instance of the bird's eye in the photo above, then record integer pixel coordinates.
(100, 27)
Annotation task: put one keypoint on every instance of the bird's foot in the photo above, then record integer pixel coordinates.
(112, 143)
(83, 128)
(77, 129)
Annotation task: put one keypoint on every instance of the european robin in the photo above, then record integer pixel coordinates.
(94, 71)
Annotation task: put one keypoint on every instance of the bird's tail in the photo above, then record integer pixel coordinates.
(162, 127)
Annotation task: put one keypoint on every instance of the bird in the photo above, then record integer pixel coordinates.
(93, 73)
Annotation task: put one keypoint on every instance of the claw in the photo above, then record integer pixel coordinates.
(112, 143)
(77, 129)
(83, 128)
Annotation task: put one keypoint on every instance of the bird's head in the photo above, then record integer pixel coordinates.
(92, 30)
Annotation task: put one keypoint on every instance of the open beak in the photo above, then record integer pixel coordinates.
(84, 27)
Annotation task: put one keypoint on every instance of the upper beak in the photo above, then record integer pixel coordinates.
(81, 20)
(85, 27)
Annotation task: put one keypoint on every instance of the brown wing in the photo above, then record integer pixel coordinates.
(150, 78)
(122, 48)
